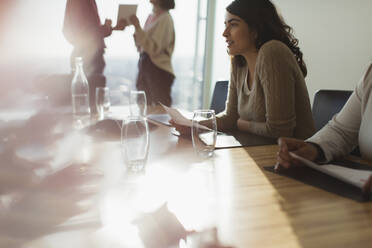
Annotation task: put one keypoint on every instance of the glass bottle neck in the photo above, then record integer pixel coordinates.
(79, 67)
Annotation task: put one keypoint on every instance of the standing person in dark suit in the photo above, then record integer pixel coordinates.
(83, 29)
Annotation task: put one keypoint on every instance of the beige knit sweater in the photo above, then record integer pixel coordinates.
(158, 41)
(278, 103)
(350, 127)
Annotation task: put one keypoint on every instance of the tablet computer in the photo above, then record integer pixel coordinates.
(126, 10)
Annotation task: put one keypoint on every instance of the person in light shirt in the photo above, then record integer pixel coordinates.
(155, 43)
(351, 127)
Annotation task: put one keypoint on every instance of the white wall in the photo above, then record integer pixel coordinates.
(335, 37)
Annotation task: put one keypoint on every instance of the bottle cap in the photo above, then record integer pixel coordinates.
(78, 60)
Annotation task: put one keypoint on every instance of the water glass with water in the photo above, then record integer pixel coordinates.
(102, 101)
(138, 103)
(204, 132)
(135, 142)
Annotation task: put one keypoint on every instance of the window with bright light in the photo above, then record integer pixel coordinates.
(221, 65)
(34, 40)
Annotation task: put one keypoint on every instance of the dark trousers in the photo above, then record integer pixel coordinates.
(93, 61)
(156, 82)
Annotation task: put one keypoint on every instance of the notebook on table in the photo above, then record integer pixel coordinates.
(344, 178)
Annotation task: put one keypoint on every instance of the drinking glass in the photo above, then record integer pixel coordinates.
(135, 142)
(138, 103)
(102, 101)
(204, 138)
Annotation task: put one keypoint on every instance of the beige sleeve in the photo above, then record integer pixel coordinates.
(276, 69)
(160, 37)
(340, 135)
(228, 118)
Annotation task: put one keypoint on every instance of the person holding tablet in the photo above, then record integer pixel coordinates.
(267, 93)
(155, 43)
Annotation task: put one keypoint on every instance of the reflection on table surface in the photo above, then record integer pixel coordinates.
(65, 188)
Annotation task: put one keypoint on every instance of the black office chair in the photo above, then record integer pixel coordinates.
(219, 96)
(326, 104)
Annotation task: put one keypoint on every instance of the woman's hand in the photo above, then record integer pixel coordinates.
(135, 22)
(183, 130)
(106, 28)
(108, 23)
(242, 125)
(367, 188)
(121, 25)
(299, 147)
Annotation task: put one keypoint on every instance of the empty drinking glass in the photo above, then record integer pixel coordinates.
(102, 101)
(138, 103)
(203, 137)
(135, 142)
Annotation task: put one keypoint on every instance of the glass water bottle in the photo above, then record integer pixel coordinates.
(80, 96)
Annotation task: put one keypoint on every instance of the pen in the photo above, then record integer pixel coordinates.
(276, 167)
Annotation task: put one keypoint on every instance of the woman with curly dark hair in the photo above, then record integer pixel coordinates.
(267, 91)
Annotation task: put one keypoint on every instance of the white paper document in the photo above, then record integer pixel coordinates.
(162, 119)
(352, 176)
(227, 141)
(177, 117)
(222, 140)
(126, 10)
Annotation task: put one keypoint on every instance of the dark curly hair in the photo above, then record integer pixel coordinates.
(263, 18)
(167, 4)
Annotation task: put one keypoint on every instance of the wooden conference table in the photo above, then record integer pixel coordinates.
(70, 189)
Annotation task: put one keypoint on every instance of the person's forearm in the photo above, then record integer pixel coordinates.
(243, 125)
(226, 122)
(105, 31)
(139, 37)
(265, 129)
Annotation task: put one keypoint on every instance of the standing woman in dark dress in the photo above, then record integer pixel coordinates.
(155, 43)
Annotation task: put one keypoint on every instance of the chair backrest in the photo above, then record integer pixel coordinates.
(326, 104)
(219, 96)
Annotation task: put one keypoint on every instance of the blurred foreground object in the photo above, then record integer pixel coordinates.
(161, 229)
